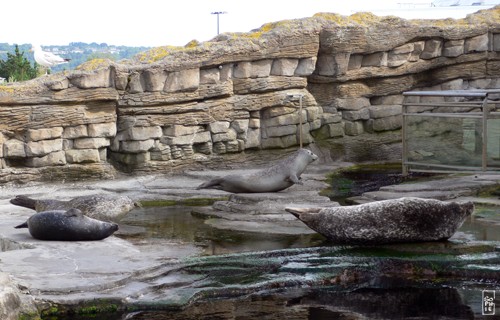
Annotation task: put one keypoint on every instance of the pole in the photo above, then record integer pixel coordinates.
(218, 13)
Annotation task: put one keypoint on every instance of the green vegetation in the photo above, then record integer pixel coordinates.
(78, 52)
(16, 67)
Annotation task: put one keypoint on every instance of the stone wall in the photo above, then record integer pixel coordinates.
(238, 93)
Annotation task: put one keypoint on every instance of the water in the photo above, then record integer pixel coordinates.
(408, 287)
(175, 223)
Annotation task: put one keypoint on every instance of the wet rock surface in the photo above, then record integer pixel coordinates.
(143, 278)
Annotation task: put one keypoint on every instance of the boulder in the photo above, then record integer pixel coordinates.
(407, 219)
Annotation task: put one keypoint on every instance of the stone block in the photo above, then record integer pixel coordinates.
(253, 139)
(59, 84)
(453, 48)
(132, 158)
(154, 79)
(261, 68)
(240, 125)
(144, 133)
(209, 76)
(120, 75)
(326, 65)
(387, 123)
(333, 65)
(88, 80)
(354, 115)
(102, 130)
(377, 59)
(43, 147)
(351, 103)
(219, 147)
(82, 156)
(222, 137)
(184, 80)
(180, 130)
(57, 158)
(136, 146)
(418, 48)
(383, 111)
(477, 44)
(232, 146)
(496, 42)
(278, 111)
(219, 126)
(400, 55)
(135, 82)
(387, 100)
(355, 61)
(313, 113)
(14, 148)
(286, 119)
(353, 128)
(254, 123)
(242, 70)
(284, 67)
(432, 49)
(43, 134)
(160, 152)
(305, 67)
(226, 72)
(91, 143)
(198, 137)
(280, 131)
(316, 124)
(74, 132)
(327, 118)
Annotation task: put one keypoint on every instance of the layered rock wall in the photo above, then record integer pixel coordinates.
(240, 92)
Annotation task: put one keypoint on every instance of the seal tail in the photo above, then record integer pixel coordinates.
(22, 225)
(24, 201)
(209, 184)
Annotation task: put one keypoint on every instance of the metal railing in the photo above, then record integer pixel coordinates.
(479, 106)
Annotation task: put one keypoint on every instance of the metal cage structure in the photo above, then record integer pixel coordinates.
(451, 131)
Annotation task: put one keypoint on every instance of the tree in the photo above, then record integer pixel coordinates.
(17, 67)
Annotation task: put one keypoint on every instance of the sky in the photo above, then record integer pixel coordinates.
(153, 23)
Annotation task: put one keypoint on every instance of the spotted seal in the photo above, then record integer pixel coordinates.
(279, 176)
(70, 225)
(407, 219)
(106, 207)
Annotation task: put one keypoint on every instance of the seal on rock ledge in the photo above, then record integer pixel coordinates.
(407, 219)
(279, 176)
(69, 225)
(106, 207)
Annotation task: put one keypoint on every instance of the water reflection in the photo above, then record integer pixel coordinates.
(396, 302)
(176, 223)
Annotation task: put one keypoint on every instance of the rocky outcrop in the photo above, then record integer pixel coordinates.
(406, 219)
(173, 107)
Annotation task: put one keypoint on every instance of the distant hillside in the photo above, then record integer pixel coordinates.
(78, 52)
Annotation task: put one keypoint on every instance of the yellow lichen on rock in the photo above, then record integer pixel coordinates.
(94, 64)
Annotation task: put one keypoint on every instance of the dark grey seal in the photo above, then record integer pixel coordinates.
(407, 219)
(279, 176)
(106, 207)
(69, 225)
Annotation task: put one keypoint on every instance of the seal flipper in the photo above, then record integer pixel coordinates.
(74, 213)
(296, 180)
(214, 184)
(24, 201)
(22, 225)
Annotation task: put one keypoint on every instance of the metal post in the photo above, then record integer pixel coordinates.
(404, 155)
(218, 13)
(485, 133)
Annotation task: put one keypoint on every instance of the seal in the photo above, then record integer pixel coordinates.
(105, 207)
(279, 176)
(407, 219)
(70, 225)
